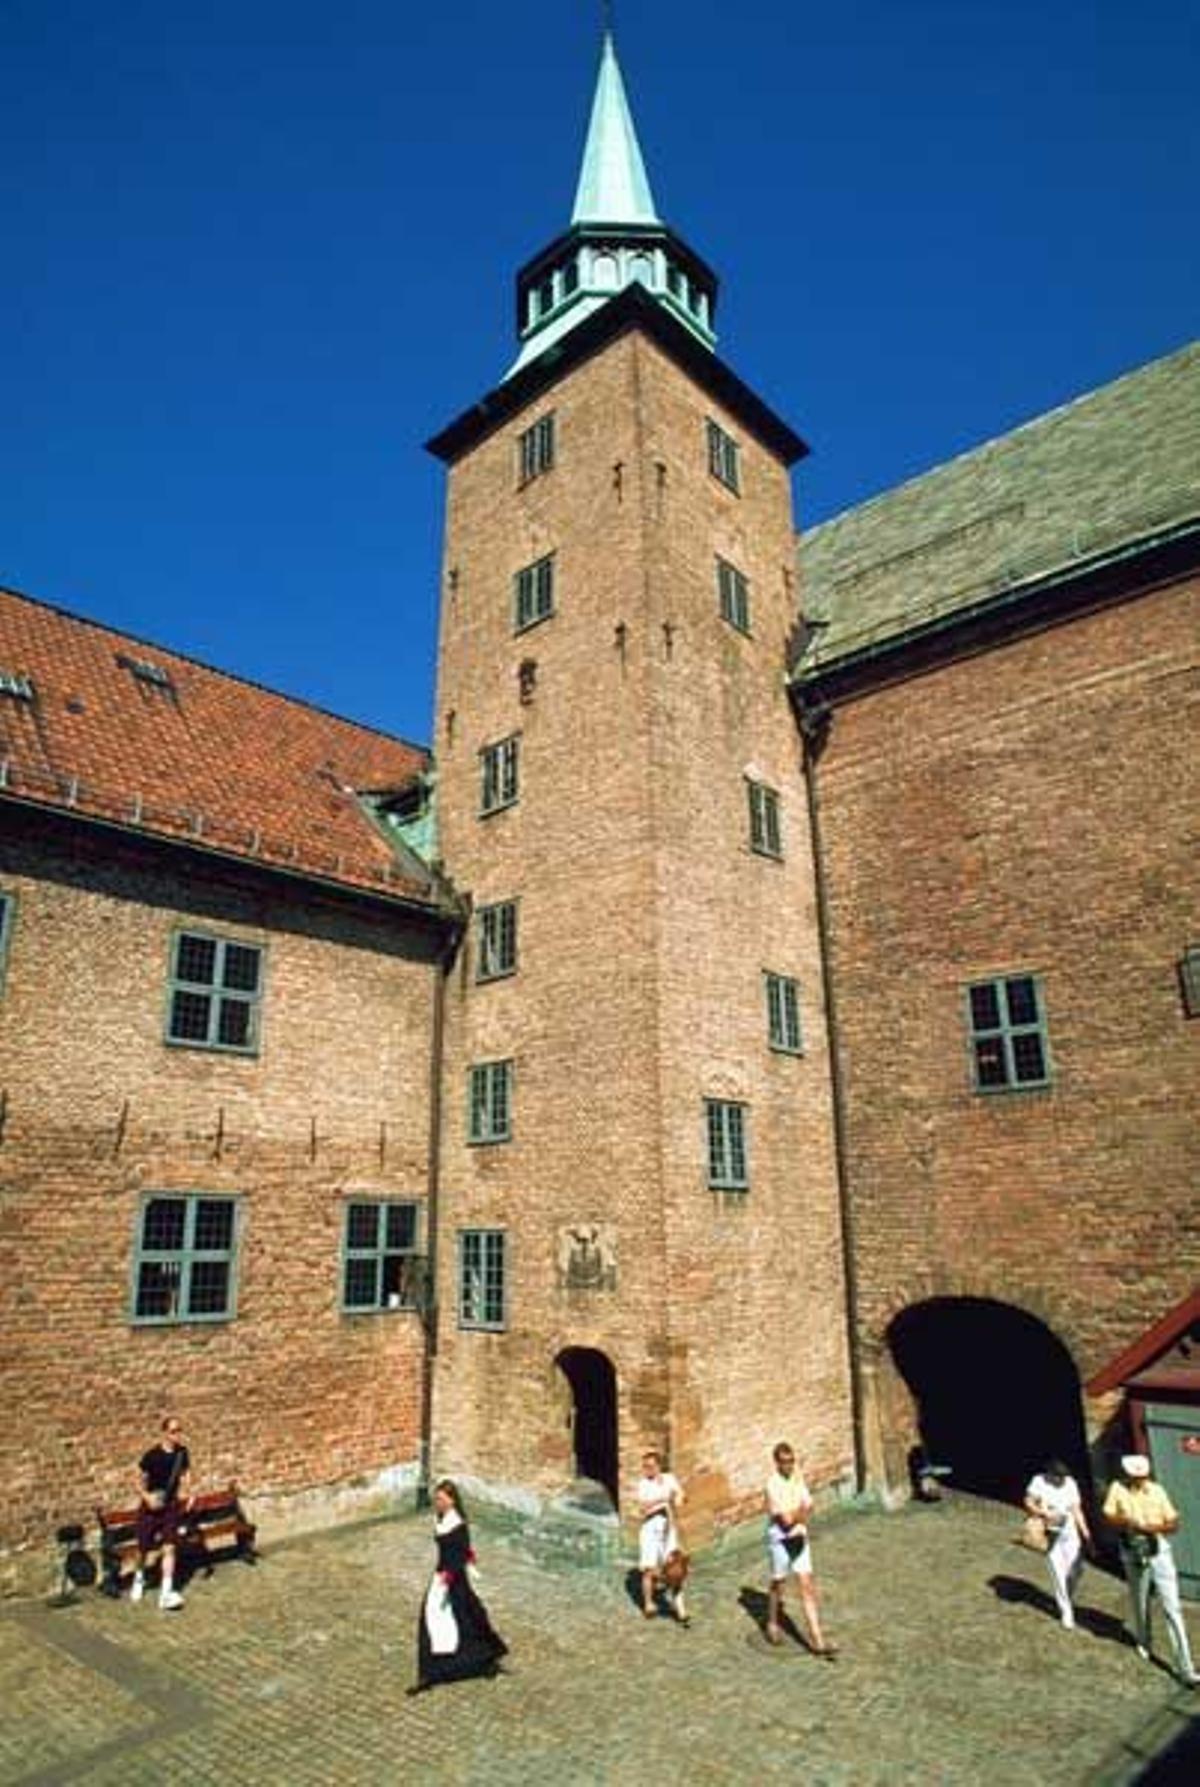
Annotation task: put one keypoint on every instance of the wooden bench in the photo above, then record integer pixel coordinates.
(212, 1526)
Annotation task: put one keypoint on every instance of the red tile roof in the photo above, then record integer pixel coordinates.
(186, 752)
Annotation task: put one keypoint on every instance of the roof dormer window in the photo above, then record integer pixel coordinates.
(16, 684)
(146, 671)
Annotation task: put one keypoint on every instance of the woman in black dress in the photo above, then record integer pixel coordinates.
(455, 1637)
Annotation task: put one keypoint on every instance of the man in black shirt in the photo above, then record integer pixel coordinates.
(162, 1496)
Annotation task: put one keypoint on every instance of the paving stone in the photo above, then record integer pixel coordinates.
(953, 1670)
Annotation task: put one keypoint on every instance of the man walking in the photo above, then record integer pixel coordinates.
(1142, 1513)
(789, 1506)
(162, 1496)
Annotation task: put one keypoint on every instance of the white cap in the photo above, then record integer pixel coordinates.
(1135, 1464)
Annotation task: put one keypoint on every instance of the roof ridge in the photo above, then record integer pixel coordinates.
(234, 676)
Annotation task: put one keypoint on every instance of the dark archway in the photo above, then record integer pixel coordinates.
(593, 1384)
(997, 1393)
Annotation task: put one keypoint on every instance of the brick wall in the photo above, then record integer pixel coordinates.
(292, 1394)
(645, 926)
(1028, 810)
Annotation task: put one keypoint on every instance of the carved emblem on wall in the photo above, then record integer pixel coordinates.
(587, 1257)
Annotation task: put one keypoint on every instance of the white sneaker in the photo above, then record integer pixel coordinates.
(1143, 1653)
(170, 1600)
(137, 1588)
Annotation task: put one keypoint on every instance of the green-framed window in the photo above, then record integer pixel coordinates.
(733, 595)
(184, 1257)
(1009, 1045)
(482, 1276)
(766, 837)
(489, 1101)
(496, 940)
(381, 1260)
(724, 457)
(535, 448)
(728, 1168)
(215, 993)
(8, 915)
(783, 1013)
(533, 593)
(499, 770)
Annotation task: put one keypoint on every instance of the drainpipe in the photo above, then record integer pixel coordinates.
(814, 731)
(429, 1300)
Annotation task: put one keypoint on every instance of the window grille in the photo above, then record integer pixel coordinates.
(496, 941)
(215, 993)
(8, 908)
(765, 836)
(536, 448)
(184, 1259)
(783, 1014)
(733, 596)
(723, 456)
(1189, 981)
(726, 1122)
(482, 1289)
(381, 1266)
(499, 775)
(489, 1099)
(1008, 1033)
(533, 593)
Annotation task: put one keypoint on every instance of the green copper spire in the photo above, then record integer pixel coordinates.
(613, 187)
(615, 239)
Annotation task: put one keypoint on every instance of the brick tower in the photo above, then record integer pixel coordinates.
(639, 1222)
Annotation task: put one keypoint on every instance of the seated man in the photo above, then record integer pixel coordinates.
(162, 1497)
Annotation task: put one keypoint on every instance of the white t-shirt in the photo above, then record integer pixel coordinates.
(788, 1496)
(663, 1488)
(1057, 1501)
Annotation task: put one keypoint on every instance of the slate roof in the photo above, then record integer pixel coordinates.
(1115, 467)
(118, 730)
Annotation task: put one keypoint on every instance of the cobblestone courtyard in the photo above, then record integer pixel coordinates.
(953, 1669)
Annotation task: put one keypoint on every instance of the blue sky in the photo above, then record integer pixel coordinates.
(257, 251)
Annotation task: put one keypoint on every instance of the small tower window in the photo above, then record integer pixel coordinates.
(570, 278)
(546, 295)
(733, 596)
(536, 448)
(723, 456)
(533, 593)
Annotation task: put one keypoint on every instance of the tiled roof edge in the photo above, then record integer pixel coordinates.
(233, 676)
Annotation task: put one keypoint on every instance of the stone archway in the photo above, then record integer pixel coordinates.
(593, 1384)
(996, 1392)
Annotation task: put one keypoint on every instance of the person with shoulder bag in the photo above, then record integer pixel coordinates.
(1143, 1516)
(1053, 1499)
(162, 1496)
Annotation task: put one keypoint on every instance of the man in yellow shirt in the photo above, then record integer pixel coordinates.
(1142, 1513)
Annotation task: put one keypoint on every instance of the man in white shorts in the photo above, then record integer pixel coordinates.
(789, 1506)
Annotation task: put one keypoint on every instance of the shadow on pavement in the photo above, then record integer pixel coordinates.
(1016, 1590)
(1179, 1762)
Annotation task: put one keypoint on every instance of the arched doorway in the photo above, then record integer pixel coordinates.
(997, 1393)
(593, 1383)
